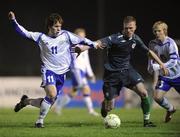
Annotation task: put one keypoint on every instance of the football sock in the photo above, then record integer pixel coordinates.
(65, 100)
(88, 103)
(165, 104)
(145, 105)
(44, 109)
(62, 102)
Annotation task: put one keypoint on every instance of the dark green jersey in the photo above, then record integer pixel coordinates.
(119, 49)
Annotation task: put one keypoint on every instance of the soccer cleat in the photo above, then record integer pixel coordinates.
(39, 125)
(169, 115)
(21, 104)
(149, 124)
(103, 110)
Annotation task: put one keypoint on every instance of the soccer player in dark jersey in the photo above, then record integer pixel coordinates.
(118, 71)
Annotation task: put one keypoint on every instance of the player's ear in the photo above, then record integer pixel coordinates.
(135, 27)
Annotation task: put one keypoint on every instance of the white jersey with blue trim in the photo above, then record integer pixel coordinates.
(55, 52)
(168, 53)
(82, 62)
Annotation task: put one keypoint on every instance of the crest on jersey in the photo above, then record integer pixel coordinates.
(133, 45)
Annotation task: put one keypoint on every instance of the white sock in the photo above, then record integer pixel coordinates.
(88, 103)
(44, 109)
(165, 104)
(146, 116)
(62, 102)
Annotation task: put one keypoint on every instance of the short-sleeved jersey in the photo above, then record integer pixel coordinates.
(168, 53)
(55, 52)
(119, 49)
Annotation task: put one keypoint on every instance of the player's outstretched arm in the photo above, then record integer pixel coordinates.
(21, 30)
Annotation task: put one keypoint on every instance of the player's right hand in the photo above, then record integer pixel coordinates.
(99, 45)
(11, 15)
(164, 70)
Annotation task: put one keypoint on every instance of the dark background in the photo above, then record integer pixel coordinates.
(19, 56)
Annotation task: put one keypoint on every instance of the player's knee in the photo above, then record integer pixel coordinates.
(141, 90)
(73, 92)
(51, 91)
(86, 90)
(52, 94)
(143, 94)
(157, 98)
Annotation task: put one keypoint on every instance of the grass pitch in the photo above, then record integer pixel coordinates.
(78, 123)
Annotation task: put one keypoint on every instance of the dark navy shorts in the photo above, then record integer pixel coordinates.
(115, 80)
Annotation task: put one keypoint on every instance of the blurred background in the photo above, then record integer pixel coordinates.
(100, 18)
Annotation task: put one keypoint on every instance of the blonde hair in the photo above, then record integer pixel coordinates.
(161, 24)
(78, 30)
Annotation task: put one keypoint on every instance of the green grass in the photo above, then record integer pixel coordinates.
(77, 123)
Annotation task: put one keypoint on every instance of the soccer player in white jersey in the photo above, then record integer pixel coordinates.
(166, 48)
(55, 52)
(80, 70)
